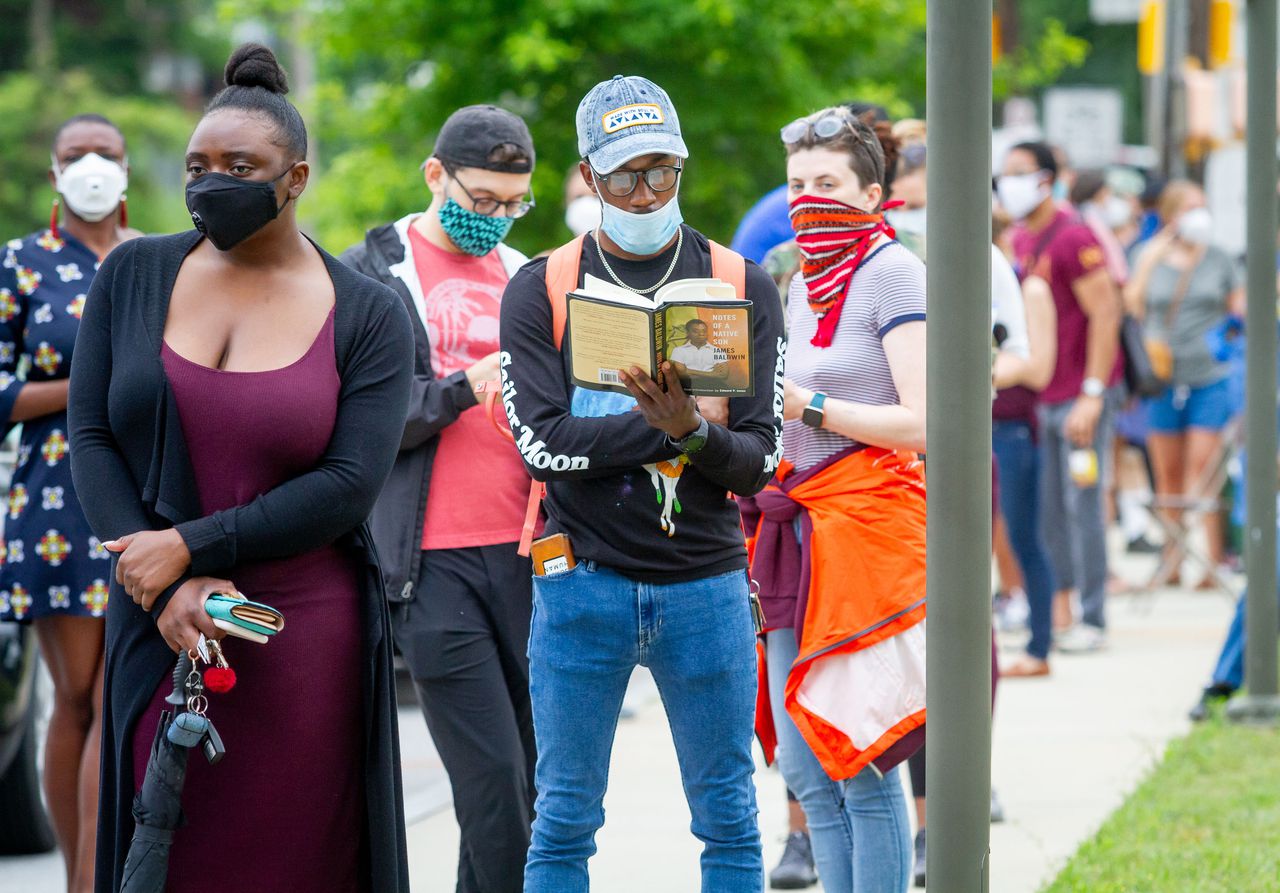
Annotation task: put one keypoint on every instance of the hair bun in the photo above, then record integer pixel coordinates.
(254, 65)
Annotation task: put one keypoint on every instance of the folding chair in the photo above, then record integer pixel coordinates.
(1202, 496)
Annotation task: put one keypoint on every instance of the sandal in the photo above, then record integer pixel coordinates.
(1025, 667)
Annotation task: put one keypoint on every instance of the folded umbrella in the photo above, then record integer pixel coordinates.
(157, 808)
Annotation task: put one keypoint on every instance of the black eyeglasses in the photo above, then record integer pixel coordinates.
(824, 128)
(488, 207)
(662, 178)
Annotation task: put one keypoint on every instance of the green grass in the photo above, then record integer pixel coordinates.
(1207, 819)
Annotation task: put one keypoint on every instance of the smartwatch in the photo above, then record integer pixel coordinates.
(1093, 387)
(694, 440)
(814, 413)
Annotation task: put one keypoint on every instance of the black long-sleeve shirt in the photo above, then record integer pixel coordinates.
(130, 479)
(612, 478)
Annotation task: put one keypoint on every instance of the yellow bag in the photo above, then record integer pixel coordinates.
(1160, 355)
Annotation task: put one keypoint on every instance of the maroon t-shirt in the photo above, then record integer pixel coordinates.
(1071, 253)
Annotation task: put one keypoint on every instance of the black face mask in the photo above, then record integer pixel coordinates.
(230, 209)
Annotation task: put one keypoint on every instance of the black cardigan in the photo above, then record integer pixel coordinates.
(132, 472)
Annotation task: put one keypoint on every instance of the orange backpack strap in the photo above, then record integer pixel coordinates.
(729, 266)
(562, 278)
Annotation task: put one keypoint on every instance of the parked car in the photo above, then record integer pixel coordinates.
(24, 823)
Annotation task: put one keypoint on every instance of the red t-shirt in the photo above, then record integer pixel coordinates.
(1071, 253)
(479, 487)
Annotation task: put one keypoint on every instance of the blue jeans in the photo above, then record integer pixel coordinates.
(1229, 670)
(591, 627)
(861, 839)
(1072, 518)
(1018, 465)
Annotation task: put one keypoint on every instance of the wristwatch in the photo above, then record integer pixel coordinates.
(694, 440)
(814, 413)
(1093, 387)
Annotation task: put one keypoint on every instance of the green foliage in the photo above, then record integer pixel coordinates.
(1040, 63)
(115, 39)
(737, 70)
(1112, 53)
(1207, 818)
(156, 131)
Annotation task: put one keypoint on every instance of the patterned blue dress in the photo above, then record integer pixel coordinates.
(52, 563)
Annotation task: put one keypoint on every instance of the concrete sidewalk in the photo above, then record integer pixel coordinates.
(1067, 750)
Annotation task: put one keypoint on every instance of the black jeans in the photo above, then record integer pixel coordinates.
(465, 639)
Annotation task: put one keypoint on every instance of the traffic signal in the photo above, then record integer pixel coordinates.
(1221, 20)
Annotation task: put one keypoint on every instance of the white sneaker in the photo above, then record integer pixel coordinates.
(1082, 639)
(1017, 612)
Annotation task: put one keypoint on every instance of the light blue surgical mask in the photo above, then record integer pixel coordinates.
(641, 233)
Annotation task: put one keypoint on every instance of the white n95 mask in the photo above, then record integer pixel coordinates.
(91, 186)
(583, 214)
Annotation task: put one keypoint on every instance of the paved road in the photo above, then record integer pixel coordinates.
(1067, 750)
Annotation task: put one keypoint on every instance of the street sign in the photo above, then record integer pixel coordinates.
(1085, 122)
(1227, 195)
(1114, 12)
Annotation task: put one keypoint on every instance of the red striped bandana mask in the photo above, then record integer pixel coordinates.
(834, 239)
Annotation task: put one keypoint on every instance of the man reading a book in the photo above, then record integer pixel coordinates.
(638, 482)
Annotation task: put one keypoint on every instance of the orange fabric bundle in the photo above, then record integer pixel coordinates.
(857, 688)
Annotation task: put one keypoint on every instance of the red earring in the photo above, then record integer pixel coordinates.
(124, 212)
(53, 218)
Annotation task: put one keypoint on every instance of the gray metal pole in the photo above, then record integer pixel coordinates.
(1261, 704)
(959, 440)
(1154, 96)
(1177, 20)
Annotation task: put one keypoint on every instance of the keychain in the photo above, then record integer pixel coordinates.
(757, 610)
(193, 727)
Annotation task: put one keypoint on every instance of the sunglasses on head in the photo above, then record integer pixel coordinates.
(824, 128)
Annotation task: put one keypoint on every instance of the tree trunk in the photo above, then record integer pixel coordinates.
(1009, 30)
(41, 38)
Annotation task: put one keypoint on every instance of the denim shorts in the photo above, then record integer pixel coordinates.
(1182, 407)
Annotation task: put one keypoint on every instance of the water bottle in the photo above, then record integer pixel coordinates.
(1083, 463)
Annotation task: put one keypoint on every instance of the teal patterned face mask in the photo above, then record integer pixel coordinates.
(473, 233)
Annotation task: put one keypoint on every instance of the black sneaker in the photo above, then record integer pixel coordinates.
(1142, 546)
(1210, 696)
(917, 868)
(795, 870)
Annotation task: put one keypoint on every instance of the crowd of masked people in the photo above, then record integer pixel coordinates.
(232, 409)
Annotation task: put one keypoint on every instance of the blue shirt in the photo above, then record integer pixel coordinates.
(767, 224)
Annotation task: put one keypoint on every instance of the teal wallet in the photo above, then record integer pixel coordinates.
(239, 616)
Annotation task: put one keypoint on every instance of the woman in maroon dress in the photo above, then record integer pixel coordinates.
(235, 410)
